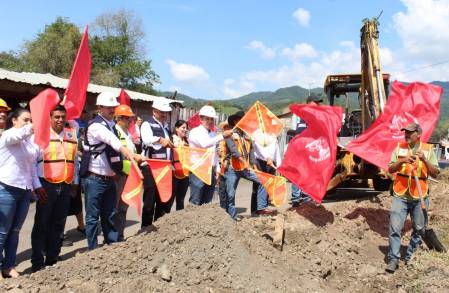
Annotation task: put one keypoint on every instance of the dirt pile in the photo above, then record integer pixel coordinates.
(335, 247)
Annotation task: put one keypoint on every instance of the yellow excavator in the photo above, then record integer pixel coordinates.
(371, 88)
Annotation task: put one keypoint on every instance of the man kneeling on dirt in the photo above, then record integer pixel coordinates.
(409, 158)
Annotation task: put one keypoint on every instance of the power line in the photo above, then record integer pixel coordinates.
(426, 66)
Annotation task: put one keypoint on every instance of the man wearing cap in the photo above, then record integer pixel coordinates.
(298, 195)
(411, 157)
(240, 154)
(156, 144)
(100, 163)
(123, 115)
(202, 136)
(4, 109)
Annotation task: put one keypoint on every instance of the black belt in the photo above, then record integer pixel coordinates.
(104, 177)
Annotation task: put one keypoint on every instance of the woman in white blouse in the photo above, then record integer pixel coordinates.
(18, 178)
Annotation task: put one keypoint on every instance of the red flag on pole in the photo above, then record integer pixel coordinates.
(40, 107)
(133, 190)
(310, 157)
(198, 161)
(194, 121)
(261, 124)
(125, 99)
(417, 102)
(75, 93)
(162, 174)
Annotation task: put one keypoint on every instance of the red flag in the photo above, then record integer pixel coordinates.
(310, 157)
(417, 102)
(125, 99)
(261, 124)
(162, 174)
(40, 107)
(133, 190)
(195, 121)
(198, 161)
(276, 187)
(75, 93)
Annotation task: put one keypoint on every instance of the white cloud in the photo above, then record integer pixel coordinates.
(423, 28)
(265, 52)
(302, 16)
(187, 72)
(302, 50)
(232, 89)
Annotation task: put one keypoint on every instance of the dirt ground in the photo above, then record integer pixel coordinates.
(338, 246)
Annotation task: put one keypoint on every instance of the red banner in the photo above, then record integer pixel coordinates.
(310, 157)
(125, 99)
(133, 190)
(417, 102)
(261, 124)
(276, 187)
(75, 93)
(162, 174)
(40, 107)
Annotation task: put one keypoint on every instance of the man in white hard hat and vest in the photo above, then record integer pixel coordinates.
(156, 144)
(100, 162)
(202, 136)
(58, 172)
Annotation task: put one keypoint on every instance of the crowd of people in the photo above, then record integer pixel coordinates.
(94, 158)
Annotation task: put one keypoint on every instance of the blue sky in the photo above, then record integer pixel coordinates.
(224, 49)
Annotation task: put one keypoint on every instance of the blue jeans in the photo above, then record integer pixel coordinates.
(200, 192)
(14, 204)
(100, 203)
(222, 195)
(49, 222)
(232, 180)
(298, 195)
(400, 208)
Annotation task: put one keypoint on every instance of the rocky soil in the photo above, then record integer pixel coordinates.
(334, 247)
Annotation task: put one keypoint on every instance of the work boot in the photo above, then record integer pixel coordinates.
(392, 266)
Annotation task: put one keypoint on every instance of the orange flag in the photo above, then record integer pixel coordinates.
(75, 93)
(133, 190)
(162, 174)
(40, 107)
(276, 187)
(261, 124)
(198, 161)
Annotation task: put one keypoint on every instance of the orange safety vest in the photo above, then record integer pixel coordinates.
(59, 157)
(243, 146)
(404, 179)
(222, 156)
(180, 172)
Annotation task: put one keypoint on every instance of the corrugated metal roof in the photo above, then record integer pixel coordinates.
(58, 82)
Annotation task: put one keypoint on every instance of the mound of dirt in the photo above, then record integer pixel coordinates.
(335, 247)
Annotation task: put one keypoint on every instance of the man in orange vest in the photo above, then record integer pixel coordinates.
(410, 158)
(58, 174)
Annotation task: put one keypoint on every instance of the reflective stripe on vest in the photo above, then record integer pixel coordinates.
(126, 163)
(243, 149)
(59, 156)
(404, 180)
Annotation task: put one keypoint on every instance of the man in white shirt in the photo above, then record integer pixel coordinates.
(57, 169)
(156, 144)
(203, 137)
(100, 163)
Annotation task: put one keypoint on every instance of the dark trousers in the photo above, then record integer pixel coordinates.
(200, 192)
(49, 222)
(262, 166)
(152, 208)
(101, 198)
(180, 187)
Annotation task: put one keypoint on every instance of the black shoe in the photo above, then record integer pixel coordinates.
(82, 231)
(295, 204)
(50, 262)
(36, 268)
(392, 266)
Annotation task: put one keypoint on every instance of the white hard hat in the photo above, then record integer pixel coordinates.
(107, 99)
(162, 105)
(208, 111)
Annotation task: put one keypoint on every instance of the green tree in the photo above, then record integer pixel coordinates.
(118, 52)
(11, 60)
